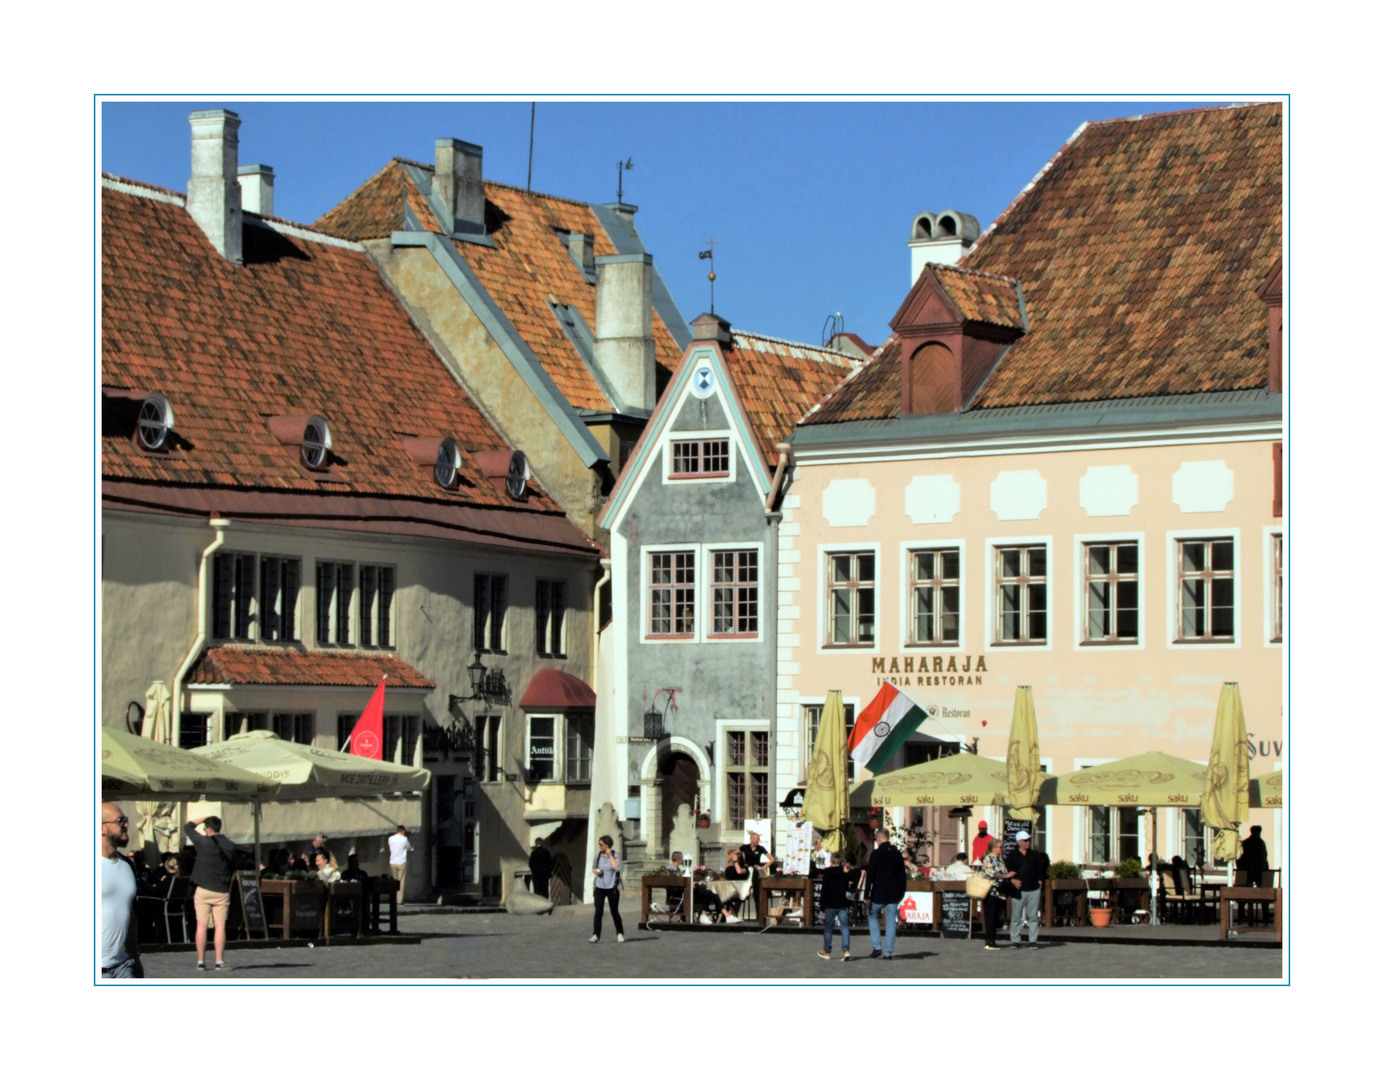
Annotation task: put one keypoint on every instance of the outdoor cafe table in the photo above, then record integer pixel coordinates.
(650, 882)
(1053, 886)
(1243, 894)
(787, 885)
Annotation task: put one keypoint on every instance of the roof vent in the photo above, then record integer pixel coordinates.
(317, 443)
(155, 422)
(517, 481)
(448, 465)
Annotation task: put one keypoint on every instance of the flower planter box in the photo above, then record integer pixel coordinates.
(1076, 887)
(649, 882)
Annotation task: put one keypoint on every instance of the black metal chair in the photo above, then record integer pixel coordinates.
(177, 907)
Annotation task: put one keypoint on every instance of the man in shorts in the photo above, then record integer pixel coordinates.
(211, 874)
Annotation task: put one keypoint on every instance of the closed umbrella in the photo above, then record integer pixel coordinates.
(158, 713)
(1225, 796)
(1023, 769)
(825, 802)
(958, 780)
(158, 820)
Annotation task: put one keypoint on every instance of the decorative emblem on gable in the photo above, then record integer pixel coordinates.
(703, 381)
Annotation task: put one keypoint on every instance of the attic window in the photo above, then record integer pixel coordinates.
(317, 443)
(155, 422)
(517, 476)
(448, 463)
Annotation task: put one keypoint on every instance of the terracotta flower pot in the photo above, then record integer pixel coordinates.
(1100, 916)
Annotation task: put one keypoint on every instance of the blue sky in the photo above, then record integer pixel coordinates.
(810, 202)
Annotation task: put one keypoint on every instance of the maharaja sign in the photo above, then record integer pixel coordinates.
(950, 670)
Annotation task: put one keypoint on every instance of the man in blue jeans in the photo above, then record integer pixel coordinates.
(886, 881)
(836, 903)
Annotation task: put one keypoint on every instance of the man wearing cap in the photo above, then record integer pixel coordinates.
(1031, 867)
(981, 844)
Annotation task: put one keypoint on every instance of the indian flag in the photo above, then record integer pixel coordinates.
(883, 726)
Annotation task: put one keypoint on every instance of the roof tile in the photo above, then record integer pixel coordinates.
(279, 666)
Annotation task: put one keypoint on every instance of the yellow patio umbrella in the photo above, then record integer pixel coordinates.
(1152, 779)
(1024, 771)
(1266, 792)
(825, 801)
(313, 772)
(1225, 796)
(958, 780)
(131, 765)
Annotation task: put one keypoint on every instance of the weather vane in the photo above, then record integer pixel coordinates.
(622, 167)
(709, 253)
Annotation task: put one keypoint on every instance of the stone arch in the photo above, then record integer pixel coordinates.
(650, 808)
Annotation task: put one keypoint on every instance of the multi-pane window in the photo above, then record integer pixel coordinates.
(278, 598)
(542, 748)
(735, 593)
(335, 591)
(289, 726)
(490, 767)
(1277, 587)
(851, 598)
(491, 593)
(233, 592)
(1112, 591)
(1021, 594)
(580, 735)
(398, 728)
(194, 730)
(935, 586)
(1206, 590)
(747, 776)
(701, 457)
(673, 593)
(1195, 846)
(376, 606)
(1114, 833)
(812, 717)
(550, 612)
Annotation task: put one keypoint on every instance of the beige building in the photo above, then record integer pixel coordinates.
(1063, 470)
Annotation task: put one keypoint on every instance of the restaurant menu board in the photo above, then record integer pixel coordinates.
(956, 914)
(306, 913)
(1012, 828)
(251, 903)
(797, 848)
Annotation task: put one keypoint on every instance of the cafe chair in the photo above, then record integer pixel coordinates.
(744, 891)
(176, 905)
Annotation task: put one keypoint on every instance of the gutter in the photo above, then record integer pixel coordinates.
(220, 525)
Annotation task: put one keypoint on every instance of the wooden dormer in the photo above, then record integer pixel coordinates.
(953, 327)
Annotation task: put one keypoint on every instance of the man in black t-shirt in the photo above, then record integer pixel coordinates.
(836, 905)
(212, 873)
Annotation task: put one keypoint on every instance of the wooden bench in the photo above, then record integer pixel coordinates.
(1243, 894)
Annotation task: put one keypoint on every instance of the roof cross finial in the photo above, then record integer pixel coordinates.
(710, 253)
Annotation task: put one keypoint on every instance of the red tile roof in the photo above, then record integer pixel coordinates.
(1139, 248)
(306, 325)
(981, 297)
(528, 267)
(873, 392)
(281, 666)
(554, 689)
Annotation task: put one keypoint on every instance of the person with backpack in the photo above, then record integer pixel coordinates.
(606, 871)
(212, 873)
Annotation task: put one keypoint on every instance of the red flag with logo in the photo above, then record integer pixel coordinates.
(367, 737)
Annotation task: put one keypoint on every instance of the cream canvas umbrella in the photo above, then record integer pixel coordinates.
(1266, 792)
(1225, 796)
(131, 765)
(959, 780)
(313, 772)
(1022, 767)
(158, 817)
(1152, 779)
(825, 803)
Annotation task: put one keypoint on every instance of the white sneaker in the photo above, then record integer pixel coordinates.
(705, 918)
(593, 939)
(733, 918)
(620, 938)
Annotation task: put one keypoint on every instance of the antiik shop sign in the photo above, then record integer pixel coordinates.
(951, 670)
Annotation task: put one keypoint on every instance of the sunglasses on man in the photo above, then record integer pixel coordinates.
(122, 821)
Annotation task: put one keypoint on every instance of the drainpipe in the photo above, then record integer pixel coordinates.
(203, 585)
(785, 452)
(597, 769)
(772, 520)
(596, 621)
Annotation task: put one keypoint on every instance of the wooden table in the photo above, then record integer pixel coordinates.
(650, 882)
(1052, 887)
(1143, 896)
(769, 885)
(1244, 894)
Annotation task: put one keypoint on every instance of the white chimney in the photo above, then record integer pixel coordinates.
(213, 194)
(257, 189)
(457, 184)
(941, 238)
(625, 327)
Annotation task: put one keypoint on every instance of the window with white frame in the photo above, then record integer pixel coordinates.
(672, 593)
(581, 734)
(278, 598)
(746, 776)
(1196, 841)
(490, 605)
(542, 755)
(1021, 594)
(699, 458)
(1277, 586)
(1113, 833)
(298, 727)
(335, 594)
(194, 729)
(934, 596)
(812, 721)
(1112, 591)
(851, 598)
(550, 614)
(233, 593)
(377, 606)
(400, 729)
(735, 593)
(1206, 589)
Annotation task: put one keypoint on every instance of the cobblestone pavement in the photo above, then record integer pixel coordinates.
(511, 947)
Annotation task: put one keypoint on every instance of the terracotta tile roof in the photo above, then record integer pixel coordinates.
(1139, 248)
(872, 392)
(981, 297)
(237, 665)
(306, 325)
(528, 267)
(779, 381)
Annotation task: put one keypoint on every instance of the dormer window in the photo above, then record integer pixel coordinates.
(155, 422)
(448, 465)
(317, 443)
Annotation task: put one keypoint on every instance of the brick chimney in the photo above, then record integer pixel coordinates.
(625, 327)
(257, 189)
(457, 185)
(213, 193)
(941, 238)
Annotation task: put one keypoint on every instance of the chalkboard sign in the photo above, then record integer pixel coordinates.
(251, 904)
(817, 897)
(1012, 828)
(956, 914)
(306, 913)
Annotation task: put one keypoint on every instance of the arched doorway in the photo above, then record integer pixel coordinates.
(678, 774)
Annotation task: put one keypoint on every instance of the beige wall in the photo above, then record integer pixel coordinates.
(1094, 703)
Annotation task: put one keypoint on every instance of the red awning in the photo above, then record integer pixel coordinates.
(554, 689)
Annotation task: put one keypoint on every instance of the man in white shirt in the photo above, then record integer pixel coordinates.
(119, 945)
(399, 847)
